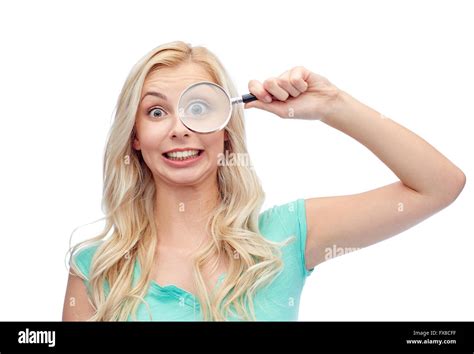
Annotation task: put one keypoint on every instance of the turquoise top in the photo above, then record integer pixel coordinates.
(278, 301)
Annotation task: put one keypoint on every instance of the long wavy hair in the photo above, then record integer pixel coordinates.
(130, 231)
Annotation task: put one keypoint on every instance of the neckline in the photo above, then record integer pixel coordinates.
(174, 287)
(182, 295)
(171, 289)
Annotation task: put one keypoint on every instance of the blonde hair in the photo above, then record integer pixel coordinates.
(128, 206)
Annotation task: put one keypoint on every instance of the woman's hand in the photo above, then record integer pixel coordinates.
(297, 93)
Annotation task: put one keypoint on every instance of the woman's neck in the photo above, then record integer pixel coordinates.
(182, 213)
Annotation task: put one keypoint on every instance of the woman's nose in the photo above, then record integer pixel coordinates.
(178, 128)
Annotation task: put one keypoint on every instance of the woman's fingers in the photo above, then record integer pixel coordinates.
(288, 87)
(297, 77)
(257, 89)
(290, 83)
(273, 87)
(297, 93)
(285, 83)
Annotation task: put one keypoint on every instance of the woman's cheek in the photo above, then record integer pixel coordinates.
(151, 137)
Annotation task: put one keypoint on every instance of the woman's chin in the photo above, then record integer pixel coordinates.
(183, 177)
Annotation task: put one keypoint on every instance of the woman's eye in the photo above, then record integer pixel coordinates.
(156, 112)
(197, 108)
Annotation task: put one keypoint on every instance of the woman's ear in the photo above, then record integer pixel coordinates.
(226, 136)
(135, 142)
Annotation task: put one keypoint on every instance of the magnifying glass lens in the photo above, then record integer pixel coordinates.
(204, 107)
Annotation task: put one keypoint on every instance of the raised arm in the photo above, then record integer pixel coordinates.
(428, 181)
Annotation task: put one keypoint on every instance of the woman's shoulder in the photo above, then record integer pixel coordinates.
(283, 221)
(82, 257)
(289, 217)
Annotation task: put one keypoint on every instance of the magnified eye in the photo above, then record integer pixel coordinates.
(197, 108)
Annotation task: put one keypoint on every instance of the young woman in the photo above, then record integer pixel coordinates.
(184, 237)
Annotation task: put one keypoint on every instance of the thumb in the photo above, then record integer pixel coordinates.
(254, 104)
(273, 107)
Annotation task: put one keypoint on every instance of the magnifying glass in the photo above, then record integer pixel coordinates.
(205, 107)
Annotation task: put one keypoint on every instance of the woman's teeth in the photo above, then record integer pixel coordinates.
(182, 155)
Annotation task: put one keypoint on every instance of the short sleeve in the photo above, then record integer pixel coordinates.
(83, 260)
(291, 219)
(302, 227)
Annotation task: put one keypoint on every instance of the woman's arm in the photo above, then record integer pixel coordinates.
(76, 302)
(428, 181)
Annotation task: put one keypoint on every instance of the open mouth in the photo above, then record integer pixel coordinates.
(182, 155)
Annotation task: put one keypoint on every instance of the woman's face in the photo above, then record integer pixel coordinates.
(159, 130)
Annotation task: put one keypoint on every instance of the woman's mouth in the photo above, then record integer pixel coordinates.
(182, 155)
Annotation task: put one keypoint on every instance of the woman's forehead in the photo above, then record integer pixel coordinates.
(175, 78)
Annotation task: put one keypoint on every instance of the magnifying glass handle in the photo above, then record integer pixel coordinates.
(248, 97)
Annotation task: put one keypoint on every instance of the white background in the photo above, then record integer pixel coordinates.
(63, 64)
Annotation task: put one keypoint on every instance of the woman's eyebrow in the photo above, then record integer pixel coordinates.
(156, 94)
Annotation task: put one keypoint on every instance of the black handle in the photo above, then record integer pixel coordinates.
(248, 97)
